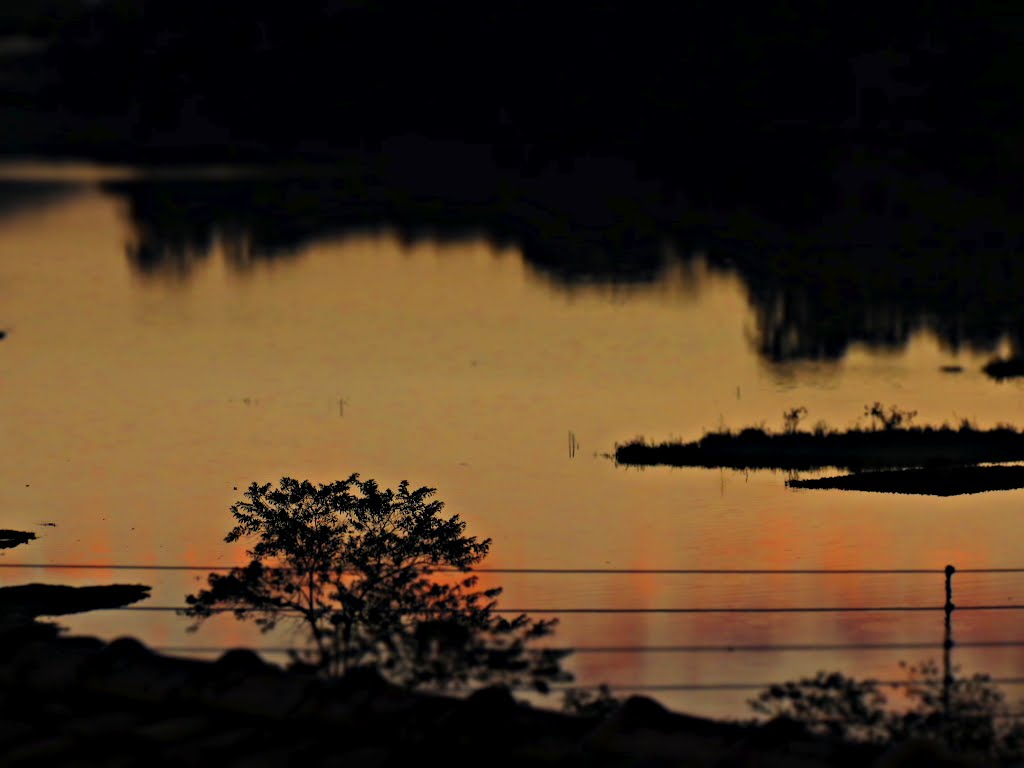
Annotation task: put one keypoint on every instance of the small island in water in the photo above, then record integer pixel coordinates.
(889, 456)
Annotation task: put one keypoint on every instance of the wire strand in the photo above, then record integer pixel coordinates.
(763, 648)
(556, 571)
(750, 610)
(745, 686)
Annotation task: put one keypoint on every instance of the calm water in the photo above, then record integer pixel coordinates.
(140, 392)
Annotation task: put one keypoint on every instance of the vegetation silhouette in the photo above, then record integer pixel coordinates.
(976, 721)
(791, 419)
(889, 419)
(38, 18)
(250, 75)
(891, 445)
(357, 568)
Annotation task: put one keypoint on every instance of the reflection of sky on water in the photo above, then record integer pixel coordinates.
(132, 408)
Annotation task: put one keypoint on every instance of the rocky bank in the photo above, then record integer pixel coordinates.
(80, 701)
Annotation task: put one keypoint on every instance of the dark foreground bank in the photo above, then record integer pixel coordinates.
(80, 701)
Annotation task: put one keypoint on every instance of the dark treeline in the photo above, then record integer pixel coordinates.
(39, 18)
(308, 75)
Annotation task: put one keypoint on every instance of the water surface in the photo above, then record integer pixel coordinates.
(149, 375)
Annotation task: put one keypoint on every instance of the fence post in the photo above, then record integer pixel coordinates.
(947, 645)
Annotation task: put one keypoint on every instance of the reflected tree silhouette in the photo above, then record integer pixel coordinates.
(10, 538)
(814, 289)
(357, 567)
(749, 143)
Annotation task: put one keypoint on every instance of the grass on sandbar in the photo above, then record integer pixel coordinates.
(889, 442)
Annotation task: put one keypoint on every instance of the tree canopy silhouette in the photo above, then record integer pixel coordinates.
(378, 578)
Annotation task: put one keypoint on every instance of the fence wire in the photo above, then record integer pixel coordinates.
(948, 609)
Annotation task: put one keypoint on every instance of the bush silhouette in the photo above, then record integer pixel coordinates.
(975, 720)
(791, 419)
(892, 419)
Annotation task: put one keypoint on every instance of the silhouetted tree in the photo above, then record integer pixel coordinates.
(368, 573)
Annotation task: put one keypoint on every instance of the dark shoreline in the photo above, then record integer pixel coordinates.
(82, 701)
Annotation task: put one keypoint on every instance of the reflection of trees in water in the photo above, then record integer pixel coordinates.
(890, 252)
(814, 305)
(175, 225)
(902, 250)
